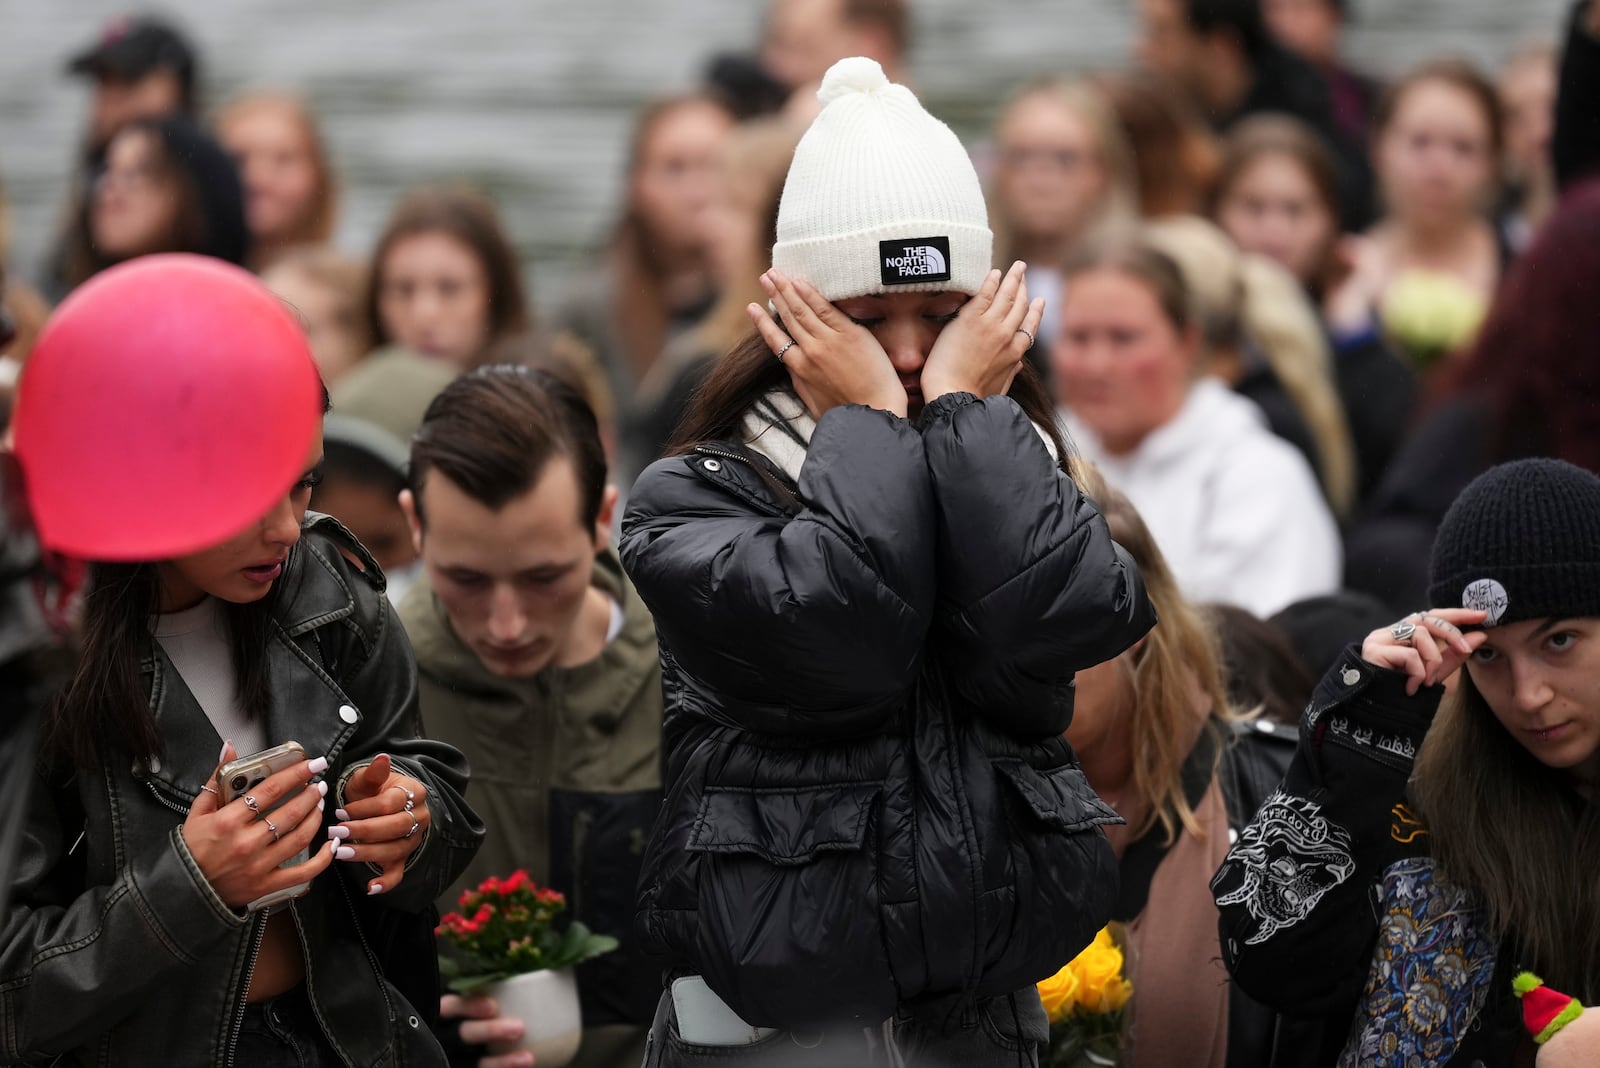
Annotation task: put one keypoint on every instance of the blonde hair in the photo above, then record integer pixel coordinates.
(1178, 660)
(339, 275)
(1503, 829)
(759, 151)
(317, 227)
(1085, 101)
(1241, 296)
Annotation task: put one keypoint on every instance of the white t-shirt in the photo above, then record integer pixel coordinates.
(196, 641)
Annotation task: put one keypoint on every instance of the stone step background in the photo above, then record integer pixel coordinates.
(533, 98)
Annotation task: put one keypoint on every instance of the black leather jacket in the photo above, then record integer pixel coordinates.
(115, 950)
(867, 677)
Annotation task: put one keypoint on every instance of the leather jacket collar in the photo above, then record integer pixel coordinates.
(319, 721)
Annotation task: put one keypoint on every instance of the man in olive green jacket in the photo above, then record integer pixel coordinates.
(538, 661)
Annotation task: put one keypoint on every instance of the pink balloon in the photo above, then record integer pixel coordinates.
(169, 402)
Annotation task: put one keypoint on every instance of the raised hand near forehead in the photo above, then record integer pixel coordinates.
(981, 352)
(1426, 647)
(832, 360)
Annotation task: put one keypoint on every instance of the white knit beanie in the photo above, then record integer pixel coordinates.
(881, 197)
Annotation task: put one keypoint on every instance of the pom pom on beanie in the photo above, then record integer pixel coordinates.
(881, 196)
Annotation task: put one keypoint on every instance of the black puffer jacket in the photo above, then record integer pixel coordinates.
(867, 678)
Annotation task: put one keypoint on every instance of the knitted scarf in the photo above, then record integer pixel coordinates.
(779, 427)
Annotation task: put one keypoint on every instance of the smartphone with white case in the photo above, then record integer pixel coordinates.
(704, 1019)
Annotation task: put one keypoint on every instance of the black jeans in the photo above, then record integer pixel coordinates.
(284, 1033)
(1001, 1032)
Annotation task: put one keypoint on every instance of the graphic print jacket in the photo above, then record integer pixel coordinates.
(1331, 908)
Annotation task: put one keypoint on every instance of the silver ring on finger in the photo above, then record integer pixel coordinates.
(273, 827)
(787, 345)
(411, 799)
(1025, 332)
(250, 803)
(415, 823)
(1403, 631)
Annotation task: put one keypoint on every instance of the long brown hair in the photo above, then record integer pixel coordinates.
(316, 226)
(1504, 829)
(749, 372)
(1459, 74)
(1285, 137)
(470, 217)
(642, 313)
(106, 706)
(1174, 154)
(760, 151)
(1178, 661)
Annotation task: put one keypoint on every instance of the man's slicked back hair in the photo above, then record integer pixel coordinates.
(493, 431)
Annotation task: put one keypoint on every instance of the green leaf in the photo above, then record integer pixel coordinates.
(474, 984)
(579, 944)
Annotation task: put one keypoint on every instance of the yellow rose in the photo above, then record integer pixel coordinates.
(1059, 994)
(1091, 983)
(1101, 988)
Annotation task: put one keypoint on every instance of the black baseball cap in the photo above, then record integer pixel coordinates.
(130, 48)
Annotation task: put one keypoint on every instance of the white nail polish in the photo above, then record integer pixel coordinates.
(320, 804)
(223, 752)
(333, 847)
(345, 852)
(337, 833)
(322, 789)
(375, 888)
(341, 814)
(317, 766)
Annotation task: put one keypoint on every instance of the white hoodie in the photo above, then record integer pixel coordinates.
(1236, 510)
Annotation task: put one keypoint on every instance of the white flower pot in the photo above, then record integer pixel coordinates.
(547, 1004)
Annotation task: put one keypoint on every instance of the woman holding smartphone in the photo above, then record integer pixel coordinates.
(873, 580)
(151, 915)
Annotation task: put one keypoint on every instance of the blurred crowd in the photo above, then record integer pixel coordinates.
(1342, 244)
(1292, 310)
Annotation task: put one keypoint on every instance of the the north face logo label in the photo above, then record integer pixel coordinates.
(920, 259)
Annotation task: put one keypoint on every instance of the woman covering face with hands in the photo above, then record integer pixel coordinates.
(873, 579)
(162, 910)
(895, 351)
(1447, 771)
